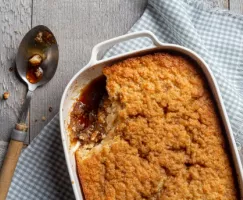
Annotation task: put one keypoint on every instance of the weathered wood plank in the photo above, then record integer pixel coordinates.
(78, 26)
(15, 19)
(218, 3)
(236, 6)
(223, 4)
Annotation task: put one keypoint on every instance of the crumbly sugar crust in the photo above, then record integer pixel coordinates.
(164, 138)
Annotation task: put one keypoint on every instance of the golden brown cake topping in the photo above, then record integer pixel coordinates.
(164, 139)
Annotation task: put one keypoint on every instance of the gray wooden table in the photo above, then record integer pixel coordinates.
(78, 26)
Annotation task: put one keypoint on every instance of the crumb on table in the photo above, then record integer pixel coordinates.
(11, 69)
(50, 109)
(6, 95)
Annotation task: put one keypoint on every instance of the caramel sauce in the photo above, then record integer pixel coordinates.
(92, 94)
(31, 74)
(42, 41)
(84, 114)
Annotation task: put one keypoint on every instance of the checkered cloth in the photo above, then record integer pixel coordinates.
(215, 34)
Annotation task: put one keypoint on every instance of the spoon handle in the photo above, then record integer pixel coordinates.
(8, 167)
(14, 149)
(25, 107)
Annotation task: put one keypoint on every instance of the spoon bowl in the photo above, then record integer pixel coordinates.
(29, 47)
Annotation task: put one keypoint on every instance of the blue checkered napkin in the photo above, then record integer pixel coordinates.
(214, 34)
(41, 172)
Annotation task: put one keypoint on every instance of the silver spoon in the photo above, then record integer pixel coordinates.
(38, 41)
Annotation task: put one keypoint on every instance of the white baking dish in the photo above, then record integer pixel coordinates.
(93, 69)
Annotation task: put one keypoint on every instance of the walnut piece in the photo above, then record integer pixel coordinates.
(38, 72)
(45, 38)
(39, 38)
(35, 60)
(94, 136)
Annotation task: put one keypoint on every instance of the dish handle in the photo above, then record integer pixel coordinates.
(108, 43)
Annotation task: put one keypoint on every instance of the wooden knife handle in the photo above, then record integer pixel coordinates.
(8, 167)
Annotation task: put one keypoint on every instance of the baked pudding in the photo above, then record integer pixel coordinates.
(149, 129)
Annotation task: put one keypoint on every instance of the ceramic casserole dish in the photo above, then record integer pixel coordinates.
(94, 69)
